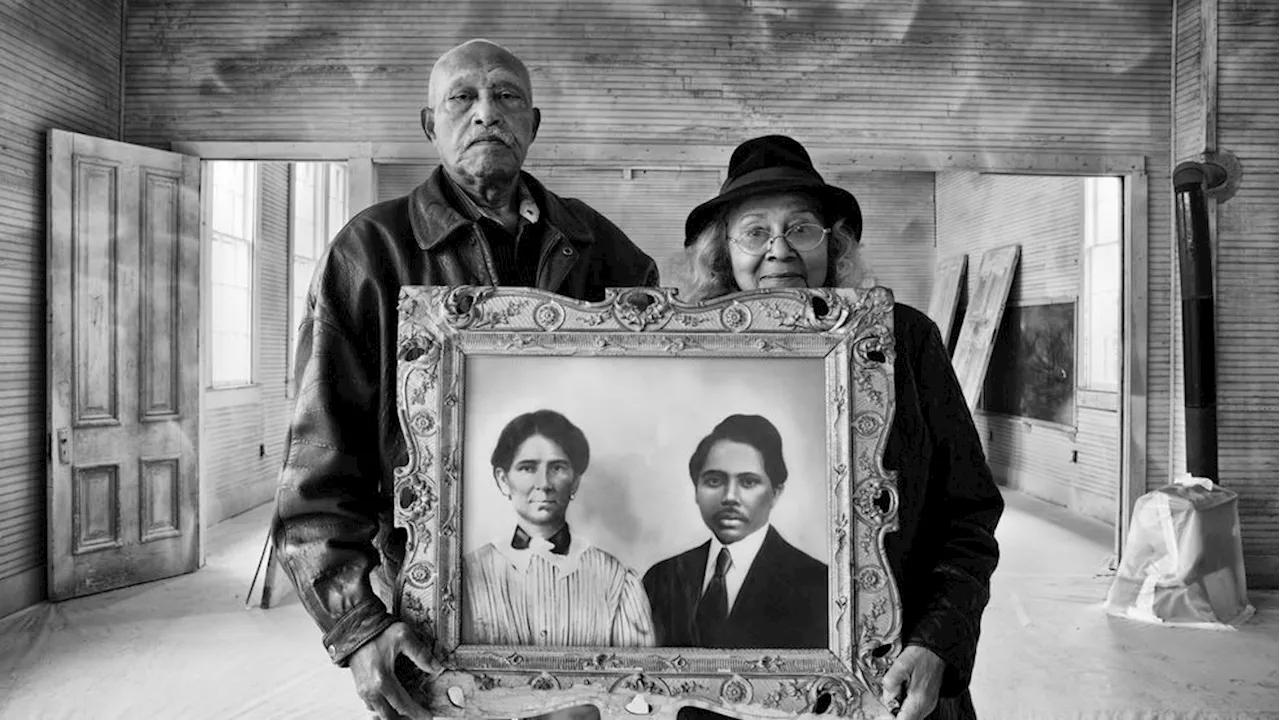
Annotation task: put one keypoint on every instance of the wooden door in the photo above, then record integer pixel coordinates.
(123, 294)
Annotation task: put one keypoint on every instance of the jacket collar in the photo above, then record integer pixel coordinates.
(435, 220)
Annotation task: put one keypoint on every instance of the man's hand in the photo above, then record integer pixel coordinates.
(373, 667)
(920, 671)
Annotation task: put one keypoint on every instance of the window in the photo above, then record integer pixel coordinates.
(1101, 300)
(318, 212)
(233, 224)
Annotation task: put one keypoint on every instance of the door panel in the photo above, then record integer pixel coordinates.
(123, 297)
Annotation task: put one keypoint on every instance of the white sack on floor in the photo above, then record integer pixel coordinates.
(1183, 564)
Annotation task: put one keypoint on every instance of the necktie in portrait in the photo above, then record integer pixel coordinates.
(713, 607)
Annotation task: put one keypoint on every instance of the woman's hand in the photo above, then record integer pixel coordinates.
(918, 670)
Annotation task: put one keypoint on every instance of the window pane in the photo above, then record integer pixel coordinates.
(1104, 269)
(222, 199)
(1104, 202)
(337, 215)
(232, 223)
(1104, 340)
(304, 209)
(241, 271)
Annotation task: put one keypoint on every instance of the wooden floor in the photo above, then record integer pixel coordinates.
(188, 648)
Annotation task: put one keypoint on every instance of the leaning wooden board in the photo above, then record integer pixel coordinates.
(948, 278)
(982, 319)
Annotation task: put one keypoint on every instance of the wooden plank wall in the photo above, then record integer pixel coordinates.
(898, 233)
(1037, 79)
(651, 206)
(1188, 109)
(1078, 467)
(1248, 291)
(59, 68)
(244, 441)
(1225, 98)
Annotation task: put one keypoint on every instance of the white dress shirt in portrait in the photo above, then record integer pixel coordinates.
(741, 553)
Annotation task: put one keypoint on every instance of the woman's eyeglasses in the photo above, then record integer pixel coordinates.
(805, 236)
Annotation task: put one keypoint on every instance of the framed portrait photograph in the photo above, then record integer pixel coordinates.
(643, 504)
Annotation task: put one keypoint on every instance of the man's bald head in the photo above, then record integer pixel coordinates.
(481, 117)
(479, 54)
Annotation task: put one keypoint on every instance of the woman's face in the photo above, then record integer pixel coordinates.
(540, 482)
(780, 265)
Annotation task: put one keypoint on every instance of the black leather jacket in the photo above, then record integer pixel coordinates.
(345, 440)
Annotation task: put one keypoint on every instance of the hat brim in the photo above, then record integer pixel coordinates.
(836, 202)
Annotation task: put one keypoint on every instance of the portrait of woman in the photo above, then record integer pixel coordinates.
(777, 224)
(539, 583)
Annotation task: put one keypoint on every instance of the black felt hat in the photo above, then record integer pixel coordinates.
(770, 164)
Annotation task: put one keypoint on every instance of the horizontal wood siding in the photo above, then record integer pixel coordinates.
(59, 68)
(978, 212)
(651, 204)
(898, 233)
(1188, 98)
(1248, 291)
(273, 323)
(1077, 467)
(1039, 79)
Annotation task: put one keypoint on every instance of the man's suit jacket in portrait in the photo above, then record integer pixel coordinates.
(782, 602)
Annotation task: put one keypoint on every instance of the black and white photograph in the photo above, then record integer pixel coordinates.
(643, 360)
(595, 490)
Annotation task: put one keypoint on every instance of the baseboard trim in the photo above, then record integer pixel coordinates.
(1081, 501)
(21, 591)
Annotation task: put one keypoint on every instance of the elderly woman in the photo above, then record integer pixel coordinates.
(776, 224)
(541, 584)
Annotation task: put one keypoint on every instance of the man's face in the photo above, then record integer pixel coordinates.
(733, 491)
(481, 120)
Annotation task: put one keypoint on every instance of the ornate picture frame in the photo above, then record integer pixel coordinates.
(850, 332)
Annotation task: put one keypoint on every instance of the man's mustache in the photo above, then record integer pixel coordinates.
(729, 515)
(501, 136)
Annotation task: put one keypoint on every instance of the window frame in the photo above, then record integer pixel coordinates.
(1089, 388)
(253, 222)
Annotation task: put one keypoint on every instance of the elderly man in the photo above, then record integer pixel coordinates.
(477, 220)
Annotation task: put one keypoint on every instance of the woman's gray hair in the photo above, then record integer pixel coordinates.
(708, 272)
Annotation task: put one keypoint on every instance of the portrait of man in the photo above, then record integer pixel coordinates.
(746, 586)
